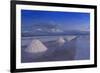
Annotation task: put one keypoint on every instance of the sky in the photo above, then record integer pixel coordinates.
(65, 20)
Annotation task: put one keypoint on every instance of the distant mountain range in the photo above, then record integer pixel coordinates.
(45, 29)
(55, 33)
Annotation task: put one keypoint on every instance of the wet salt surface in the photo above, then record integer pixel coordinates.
(77, 49)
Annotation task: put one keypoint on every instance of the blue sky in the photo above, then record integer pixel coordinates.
(65, 20)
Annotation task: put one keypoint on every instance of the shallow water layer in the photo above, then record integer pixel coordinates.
(76, 49)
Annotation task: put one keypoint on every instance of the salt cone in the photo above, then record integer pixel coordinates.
(36, 46)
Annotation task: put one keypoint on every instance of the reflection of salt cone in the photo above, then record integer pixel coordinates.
(36, 46)
(60, 41)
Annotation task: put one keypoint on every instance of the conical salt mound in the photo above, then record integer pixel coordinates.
(60, 40)
(36, 46)
(69, 38)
